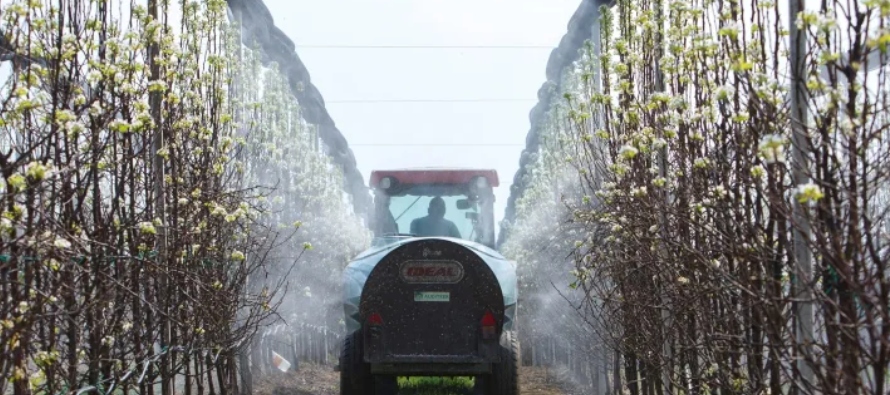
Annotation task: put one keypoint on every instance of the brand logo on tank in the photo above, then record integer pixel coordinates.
(431, 272)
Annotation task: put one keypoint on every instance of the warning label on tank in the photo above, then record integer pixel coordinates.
(420, 296)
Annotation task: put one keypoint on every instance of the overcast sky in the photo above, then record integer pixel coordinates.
(395, 135)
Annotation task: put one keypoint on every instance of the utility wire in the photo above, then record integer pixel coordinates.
(434, 145)
(426, 46)
(359, 101)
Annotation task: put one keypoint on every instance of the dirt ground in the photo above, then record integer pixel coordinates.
(323, 380)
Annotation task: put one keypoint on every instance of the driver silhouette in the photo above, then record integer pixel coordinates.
(434, 223)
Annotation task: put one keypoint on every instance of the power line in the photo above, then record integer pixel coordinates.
(427, 101)
(426, 46)
(433, 145)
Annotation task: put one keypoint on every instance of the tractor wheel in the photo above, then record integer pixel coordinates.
(386, 385)
(355, 374)
(504, 379)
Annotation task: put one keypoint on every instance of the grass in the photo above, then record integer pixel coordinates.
(435, 385)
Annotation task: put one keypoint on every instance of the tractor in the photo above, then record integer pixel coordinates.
(431, 296)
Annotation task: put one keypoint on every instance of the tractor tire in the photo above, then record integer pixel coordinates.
(386, 385)
(355, 374)
(504, 379)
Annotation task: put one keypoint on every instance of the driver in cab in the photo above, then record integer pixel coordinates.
(434, 223)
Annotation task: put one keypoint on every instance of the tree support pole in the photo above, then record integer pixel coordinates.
(803, 259)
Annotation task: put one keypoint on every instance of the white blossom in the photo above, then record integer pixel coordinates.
(147, 228)
(62, 243)
(628, 152)
(808, 193)
(758, 172)
(772, 148)
(659, 143)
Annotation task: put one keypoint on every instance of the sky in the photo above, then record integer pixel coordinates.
(486, 134)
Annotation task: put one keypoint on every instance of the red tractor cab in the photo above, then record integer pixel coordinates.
(407, 201)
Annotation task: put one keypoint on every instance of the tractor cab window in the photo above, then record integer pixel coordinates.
(431, 216)
(431, 210)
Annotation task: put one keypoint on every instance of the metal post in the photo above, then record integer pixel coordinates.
(800, 175)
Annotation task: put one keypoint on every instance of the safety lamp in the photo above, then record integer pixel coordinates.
(375, 319)
(488, 326)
